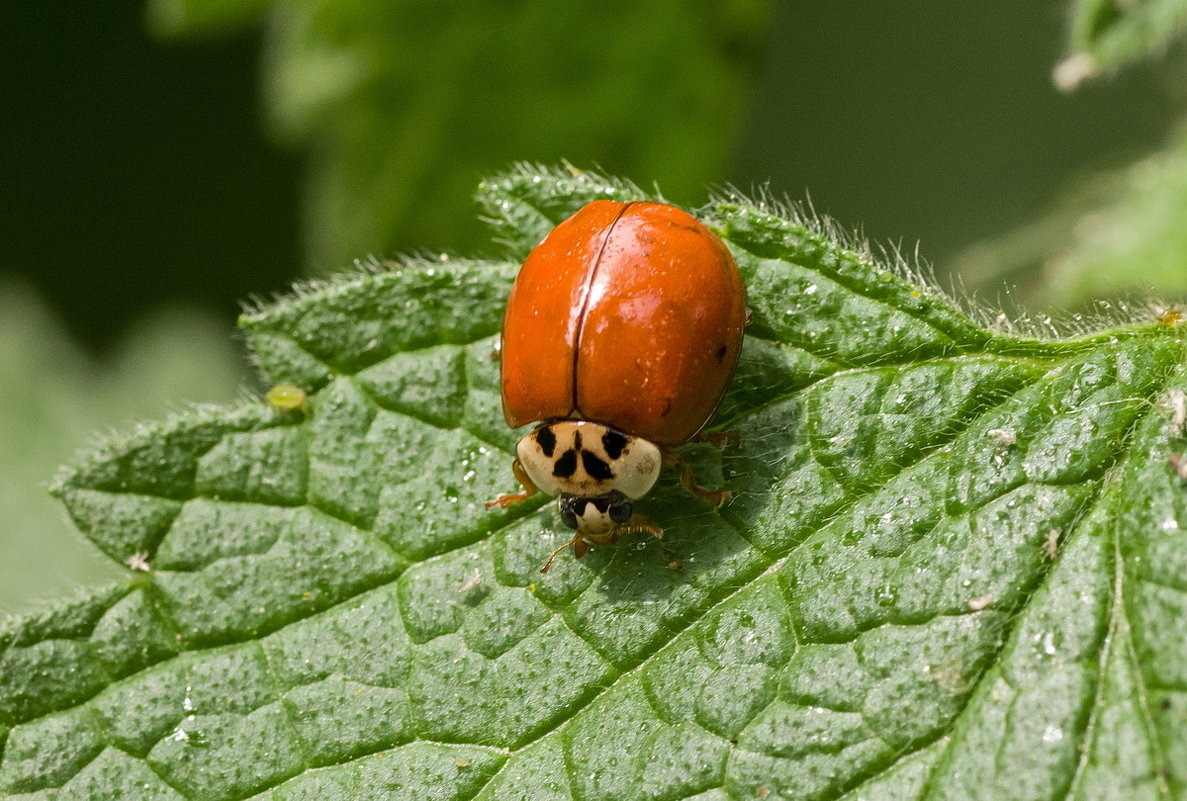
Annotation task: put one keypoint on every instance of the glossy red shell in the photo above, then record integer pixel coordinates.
(627, 314)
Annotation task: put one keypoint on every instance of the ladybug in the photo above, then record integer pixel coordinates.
(622, 331)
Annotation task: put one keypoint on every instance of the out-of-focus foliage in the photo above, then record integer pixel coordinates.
(404, 105)
(1107, 34)
(1139, 240)
(54, 397)
(135, 172)
(1115, 233)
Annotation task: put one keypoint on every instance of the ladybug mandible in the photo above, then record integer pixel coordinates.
(621, 334)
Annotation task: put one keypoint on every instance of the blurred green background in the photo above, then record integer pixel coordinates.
(163, 162)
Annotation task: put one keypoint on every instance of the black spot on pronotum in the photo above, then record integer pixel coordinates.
(595, 467)
(577, 440)
(721, 353)
(546, 440)
(614, 443)
(565, 466)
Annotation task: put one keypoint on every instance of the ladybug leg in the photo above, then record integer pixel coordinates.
(719, 439)
(579, 546)
(689, 482)
(643, 523)
(508, 498)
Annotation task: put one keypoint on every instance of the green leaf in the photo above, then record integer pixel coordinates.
(1107, 34)
(377, 90)
(952, 567)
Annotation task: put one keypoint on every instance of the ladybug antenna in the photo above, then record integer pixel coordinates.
(577, 544)
(553, 555)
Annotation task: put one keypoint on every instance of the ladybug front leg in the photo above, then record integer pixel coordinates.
(689, 481)
(508, 498)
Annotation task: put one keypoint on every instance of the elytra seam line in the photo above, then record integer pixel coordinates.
(576, 410)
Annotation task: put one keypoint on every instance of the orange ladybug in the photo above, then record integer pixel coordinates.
(621, 334)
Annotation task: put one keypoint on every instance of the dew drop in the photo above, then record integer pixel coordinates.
(1052, 734)
(1049, 643)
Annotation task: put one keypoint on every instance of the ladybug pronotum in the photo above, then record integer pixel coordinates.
(621, 334)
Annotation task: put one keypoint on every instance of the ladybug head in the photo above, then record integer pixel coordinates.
(600, 520)
(596, 519)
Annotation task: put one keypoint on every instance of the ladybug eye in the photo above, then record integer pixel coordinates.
(568, 516)
(620, 511)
